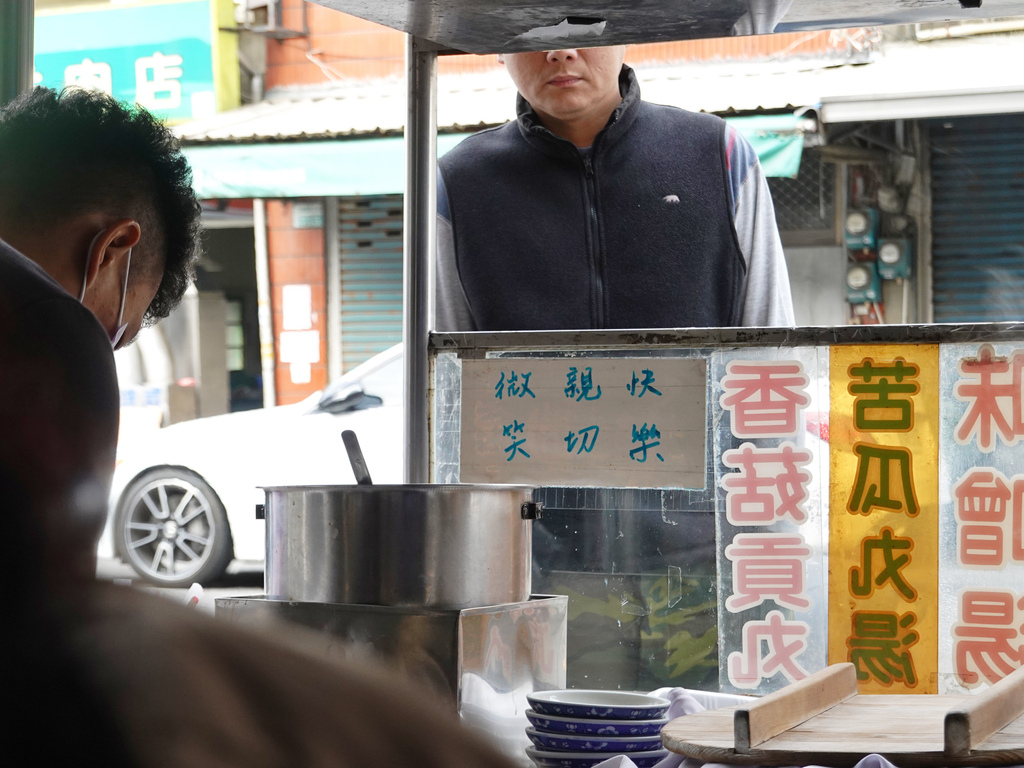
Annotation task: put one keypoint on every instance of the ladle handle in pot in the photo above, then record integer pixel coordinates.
(355, 457)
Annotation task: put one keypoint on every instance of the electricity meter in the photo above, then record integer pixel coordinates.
(862, 283)
(861, 229)
(894, 259)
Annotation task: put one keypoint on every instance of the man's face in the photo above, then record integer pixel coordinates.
(141, 290)
(103, 298)
(570, 84)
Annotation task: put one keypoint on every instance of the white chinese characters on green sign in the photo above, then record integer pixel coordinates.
(158, 56)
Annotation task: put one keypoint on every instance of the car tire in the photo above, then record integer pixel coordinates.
(171, 528)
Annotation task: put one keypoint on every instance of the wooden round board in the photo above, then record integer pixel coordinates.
(907, 730)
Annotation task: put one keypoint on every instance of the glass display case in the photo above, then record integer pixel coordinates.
(849, 494)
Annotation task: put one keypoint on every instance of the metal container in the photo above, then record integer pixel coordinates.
(434, 546)
(480, 662)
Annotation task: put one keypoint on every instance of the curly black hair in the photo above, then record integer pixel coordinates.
(69, 152)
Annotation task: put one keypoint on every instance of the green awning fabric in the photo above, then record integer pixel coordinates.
(777, 140)
(304, 168)
(377, 166)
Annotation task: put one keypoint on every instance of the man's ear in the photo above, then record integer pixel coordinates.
(501, 59)
(110, 245)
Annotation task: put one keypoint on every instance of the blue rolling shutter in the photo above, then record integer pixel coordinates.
(978, 219)
(370, 250)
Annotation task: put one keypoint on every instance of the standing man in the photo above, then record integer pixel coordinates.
(596, 209)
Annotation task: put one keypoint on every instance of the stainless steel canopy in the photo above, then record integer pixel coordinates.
(504, 26)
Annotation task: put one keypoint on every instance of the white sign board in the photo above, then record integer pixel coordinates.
(297, 307)
(299, 347)
(622, 422)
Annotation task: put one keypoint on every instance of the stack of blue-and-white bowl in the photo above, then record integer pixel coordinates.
(578, 728)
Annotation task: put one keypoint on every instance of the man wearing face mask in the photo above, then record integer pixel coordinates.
(98, 236)
(99, 231)
(595, 209)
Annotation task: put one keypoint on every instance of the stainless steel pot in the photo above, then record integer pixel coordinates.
(436, 546)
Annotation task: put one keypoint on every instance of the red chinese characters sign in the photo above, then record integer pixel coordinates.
(991, 387)
(766, 477)
(984, 466)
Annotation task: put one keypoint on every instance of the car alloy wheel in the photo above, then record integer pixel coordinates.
(172, 529)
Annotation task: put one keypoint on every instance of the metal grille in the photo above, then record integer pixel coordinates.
(978, 219)
(370, 245)
(808, 201)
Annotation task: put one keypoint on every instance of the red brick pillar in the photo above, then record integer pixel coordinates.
(296, 258)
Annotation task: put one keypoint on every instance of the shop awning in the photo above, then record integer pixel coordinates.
(375, 166)
(778, 141)
(304, 169)
(920, 105)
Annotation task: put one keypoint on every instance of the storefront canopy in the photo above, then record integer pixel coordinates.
(375, 166)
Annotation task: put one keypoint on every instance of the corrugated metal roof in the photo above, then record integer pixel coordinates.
(305, 114)
(940, 70)
(366, 108)
(362, 108)
(943, 78)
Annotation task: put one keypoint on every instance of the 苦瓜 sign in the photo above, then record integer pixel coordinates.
(883, 539)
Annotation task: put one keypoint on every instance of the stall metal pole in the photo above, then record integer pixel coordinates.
(268, 363)
(17, 67)
(334, 329)
(420, 247)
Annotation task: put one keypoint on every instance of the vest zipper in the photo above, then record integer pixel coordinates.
(597, 273)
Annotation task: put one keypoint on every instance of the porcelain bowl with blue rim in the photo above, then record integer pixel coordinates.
(555, 724)
(546, 759)
(582, 742)
(602, 705)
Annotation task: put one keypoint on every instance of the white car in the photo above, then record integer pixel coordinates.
(183, 502)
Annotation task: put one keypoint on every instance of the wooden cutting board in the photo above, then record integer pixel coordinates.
(823, 721)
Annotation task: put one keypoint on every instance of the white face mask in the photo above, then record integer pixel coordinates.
(121, 326)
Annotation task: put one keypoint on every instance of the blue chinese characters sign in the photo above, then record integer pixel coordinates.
(635, 422)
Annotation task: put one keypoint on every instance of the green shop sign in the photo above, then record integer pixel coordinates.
(163, 56)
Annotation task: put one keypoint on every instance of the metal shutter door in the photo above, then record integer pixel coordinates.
(978, 219)
(370, 251)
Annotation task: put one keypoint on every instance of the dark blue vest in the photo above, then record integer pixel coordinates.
(639, 234)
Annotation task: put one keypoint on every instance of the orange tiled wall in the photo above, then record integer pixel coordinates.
(296, 257)
(345, 47)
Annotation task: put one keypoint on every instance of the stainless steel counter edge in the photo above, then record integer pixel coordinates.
(477, 344)
(224, 603)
